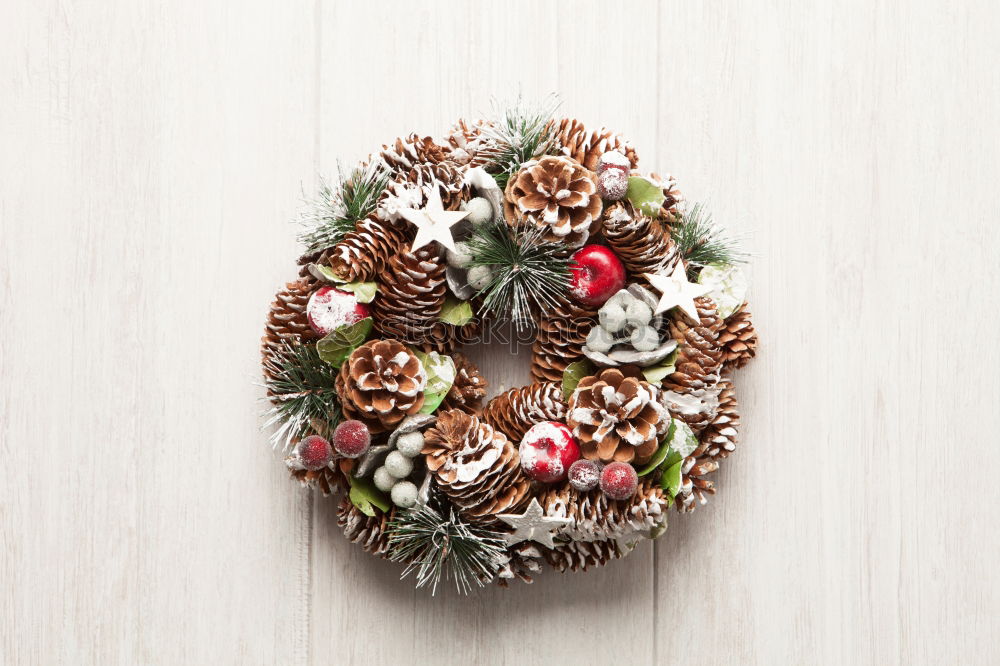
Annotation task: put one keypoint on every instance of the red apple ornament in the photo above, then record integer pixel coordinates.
(596, 275)
(547, 451)
(330, 308)
(619, 480)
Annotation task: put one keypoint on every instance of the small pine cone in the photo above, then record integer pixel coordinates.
(363, 253)
(524, 560)
(447, 177)
(720, 435)
(469, 388)
(328, 481)
(617, 416)
(411, 293)
(670, 211)
(558, 195)
(405, 153)
(466, 141)
(587, 147)
(642, 243)
(691, 393)
(738, 339)
(477, 467)
(596, 518)
(695, 488)
(381, 383)
(582, 555)
(367, 531)
(286, 320)
(559, 341)
(516, 410)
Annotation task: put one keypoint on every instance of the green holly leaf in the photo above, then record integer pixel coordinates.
(321, 272)
(655, 374)
(645, 195)
(456, 312)
(441, 373)
(671, 481)
(338, 345)
(366, 497)
(363, 291)
(572, 375)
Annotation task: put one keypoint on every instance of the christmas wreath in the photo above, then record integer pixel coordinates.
(636, 305)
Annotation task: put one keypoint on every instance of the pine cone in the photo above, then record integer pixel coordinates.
(582, 555)
(596, 518)
(363, 253)
(406, 153)
(517, 409)
(738, 339)
(475, 466)
(670, 211)
(326, 480)
(555, 194)
(466, 141)
(562, 332)
(720, 435)
(367, 531)
(469, 388)
(642, 243)
(695, 488)
(692, 391)
(381, 383)
(412, 291)
(523, 561)
(617, 416)
(286, 320)
(587, 147)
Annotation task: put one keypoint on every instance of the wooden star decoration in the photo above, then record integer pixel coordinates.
(433, 222)
(676, 291)
(532, 525)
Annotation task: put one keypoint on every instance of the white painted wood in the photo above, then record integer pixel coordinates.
(151, 156)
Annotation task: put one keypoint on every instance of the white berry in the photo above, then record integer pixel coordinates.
(398, 465)
(410, 444)
(599, 340)
(638, 313)
(645, 338)
(384, 481)
(461, 256)
(404, 494)
(480, 210)
(479, 277)
(612, 317)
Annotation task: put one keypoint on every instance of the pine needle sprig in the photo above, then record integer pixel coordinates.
(529, 273)
(336, 209)
(301, 385)
(700, 242)
(520, 132)
(436, 547)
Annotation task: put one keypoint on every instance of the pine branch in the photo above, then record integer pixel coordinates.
(528, 272)
(701, 243)
(519, 133)
(336, 209)
(437, 547)
(302, 385)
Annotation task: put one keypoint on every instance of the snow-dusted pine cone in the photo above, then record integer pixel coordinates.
(286, 320)
(586, 147)
(555, 194)
(469, 388)
(720, 436)
(559, 340)
(367, 531)
(523, 561)
(408, 152)
(596, 518)
(695, 486)
(642, 243)
(738, 338)
(516, 410)
(381, 383)
(409, 302)
(363, 253)
(582, 555)
(692, 391)
(467, 140)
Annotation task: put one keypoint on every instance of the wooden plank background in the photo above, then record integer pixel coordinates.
(153, 154)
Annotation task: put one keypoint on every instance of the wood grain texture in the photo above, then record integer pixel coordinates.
(151, 156)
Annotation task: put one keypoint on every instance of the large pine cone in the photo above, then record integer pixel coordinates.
(367, 531)
(582, 555)
(474, 465)
(642, 243)
(692, 391)
(738, 339)
(468, 389)
(721, 434)
(587, 147)
(381, 383)
(286, 321)
(516, 410)
(363, 253)
(596, 518)
(617, 416)
(411, 293)
(558, 195)
(562, 332)
(406, 153)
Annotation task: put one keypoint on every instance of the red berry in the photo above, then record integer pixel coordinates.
(351, 439)
(314, 452)
(584, 475)
(619, 480)
(547, 451)
(596, 275)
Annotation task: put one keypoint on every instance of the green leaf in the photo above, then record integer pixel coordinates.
(661, 453)
(441, 372)
(366, 497)
(321, 272)
(671, 481)
(363, 291)
(339, 344)
(655, 374)
(645, 195)
(456, 312)
(684, 440)
(572, 375)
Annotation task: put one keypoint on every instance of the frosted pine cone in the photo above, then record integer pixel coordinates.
(562, 332)
(524, 560)
(692, 392)
(738, 338)
(583, 555)
(617, 416)
(405, 153)
(516, 410)
(381, 383)
(695, 487)
(410, 298)
(721, 434)
(364, 252)
(587, 147)
(286, 321)
(468, 389)
(596, 518)
(366, 531)
(555, 194)
(642, 243)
